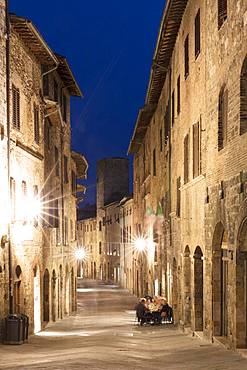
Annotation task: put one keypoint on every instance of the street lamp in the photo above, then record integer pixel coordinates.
(139, 244)
(80, 254)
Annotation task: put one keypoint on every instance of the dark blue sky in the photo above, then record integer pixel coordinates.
(109, 45)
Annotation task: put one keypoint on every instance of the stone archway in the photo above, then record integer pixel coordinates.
(17, 289)
(36, 297)
(241, 287)
(60, 293)
(67, 291)
(175, 289)
(73, 290)
(46, 294)
(187, 285)
(220, 282)
(54, 296)
(198, 289)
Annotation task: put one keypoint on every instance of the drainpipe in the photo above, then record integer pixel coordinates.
(10, 258)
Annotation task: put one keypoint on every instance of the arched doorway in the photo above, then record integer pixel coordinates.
(187, 286)
(60, 293)
(198, 288)
(36, 297)
(17, 290)
(73, 290)
(175, 288)
(53, 296)
(220, 281)
(241, 287)
(67, 292)
(46, 293)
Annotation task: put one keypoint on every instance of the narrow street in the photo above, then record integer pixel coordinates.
(103, 335)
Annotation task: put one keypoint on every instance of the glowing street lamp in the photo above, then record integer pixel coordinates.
(80, 254)
(139, 244)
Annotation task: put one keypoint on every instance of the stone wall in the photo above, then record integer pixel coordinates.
(201, 241)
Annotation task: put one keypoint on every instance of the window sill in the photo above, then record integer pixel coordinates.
(192, 182)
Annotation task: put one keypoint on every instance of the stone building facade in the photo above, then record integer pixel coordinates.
(43, 174)
(190, 163)
(127, 260)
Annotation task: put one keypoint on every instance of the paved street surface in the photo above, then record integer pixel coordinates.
(103, 335)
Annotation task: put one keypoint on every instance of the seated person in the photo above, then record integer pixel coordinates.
(142, 312)
(166, 311)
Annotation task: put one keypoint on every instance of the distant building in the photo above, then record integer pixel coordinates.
(103, 245)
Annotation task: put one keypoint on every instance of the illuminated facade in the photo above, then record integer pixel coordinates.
(190, 168)
(43, 179)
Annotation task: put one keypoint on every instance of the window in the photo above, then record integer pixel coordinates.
(12, 199)
(197, 34)
(64, 108)
(36, 123)
(55, 90)
(46, 81)
(222, 12)
(100, 226)
(186, 159)
(243, 98)
(73, 182)
(16, 107)
(55, 214)
(47, 134)
(24, 199)
(196, 150)
(161, 140)
(173, 108)
(222, 118)
(154, 162)
(100, 248)
(178, 95)
(65, 230)
(65, 169)
(167, 123)
(56, 161)
(186, 57)
(35, 195)
(71, 230)
(178, 197)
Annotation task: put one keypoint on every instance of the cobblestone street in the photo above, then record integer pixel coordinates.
(103, 335)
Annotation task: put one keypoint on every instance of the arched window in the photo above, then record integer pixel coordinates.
(222, 117)
(243, 98)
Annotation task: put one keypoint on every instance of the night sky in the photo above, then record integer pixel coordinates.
(109, 45)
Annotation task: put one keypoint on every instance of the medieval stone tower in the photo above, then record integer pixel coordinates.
(112, 180)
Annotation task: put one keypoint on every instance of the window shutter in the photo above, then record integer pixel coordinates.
(36, 124)
(56, 161)
(167, 123)
(196, 150)
(186, 159)
(225, 115)
(197, 34)
(178, 95)
(220, 121)
(173, 108)
(186, 57)
(243, 99)
(15, 107)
